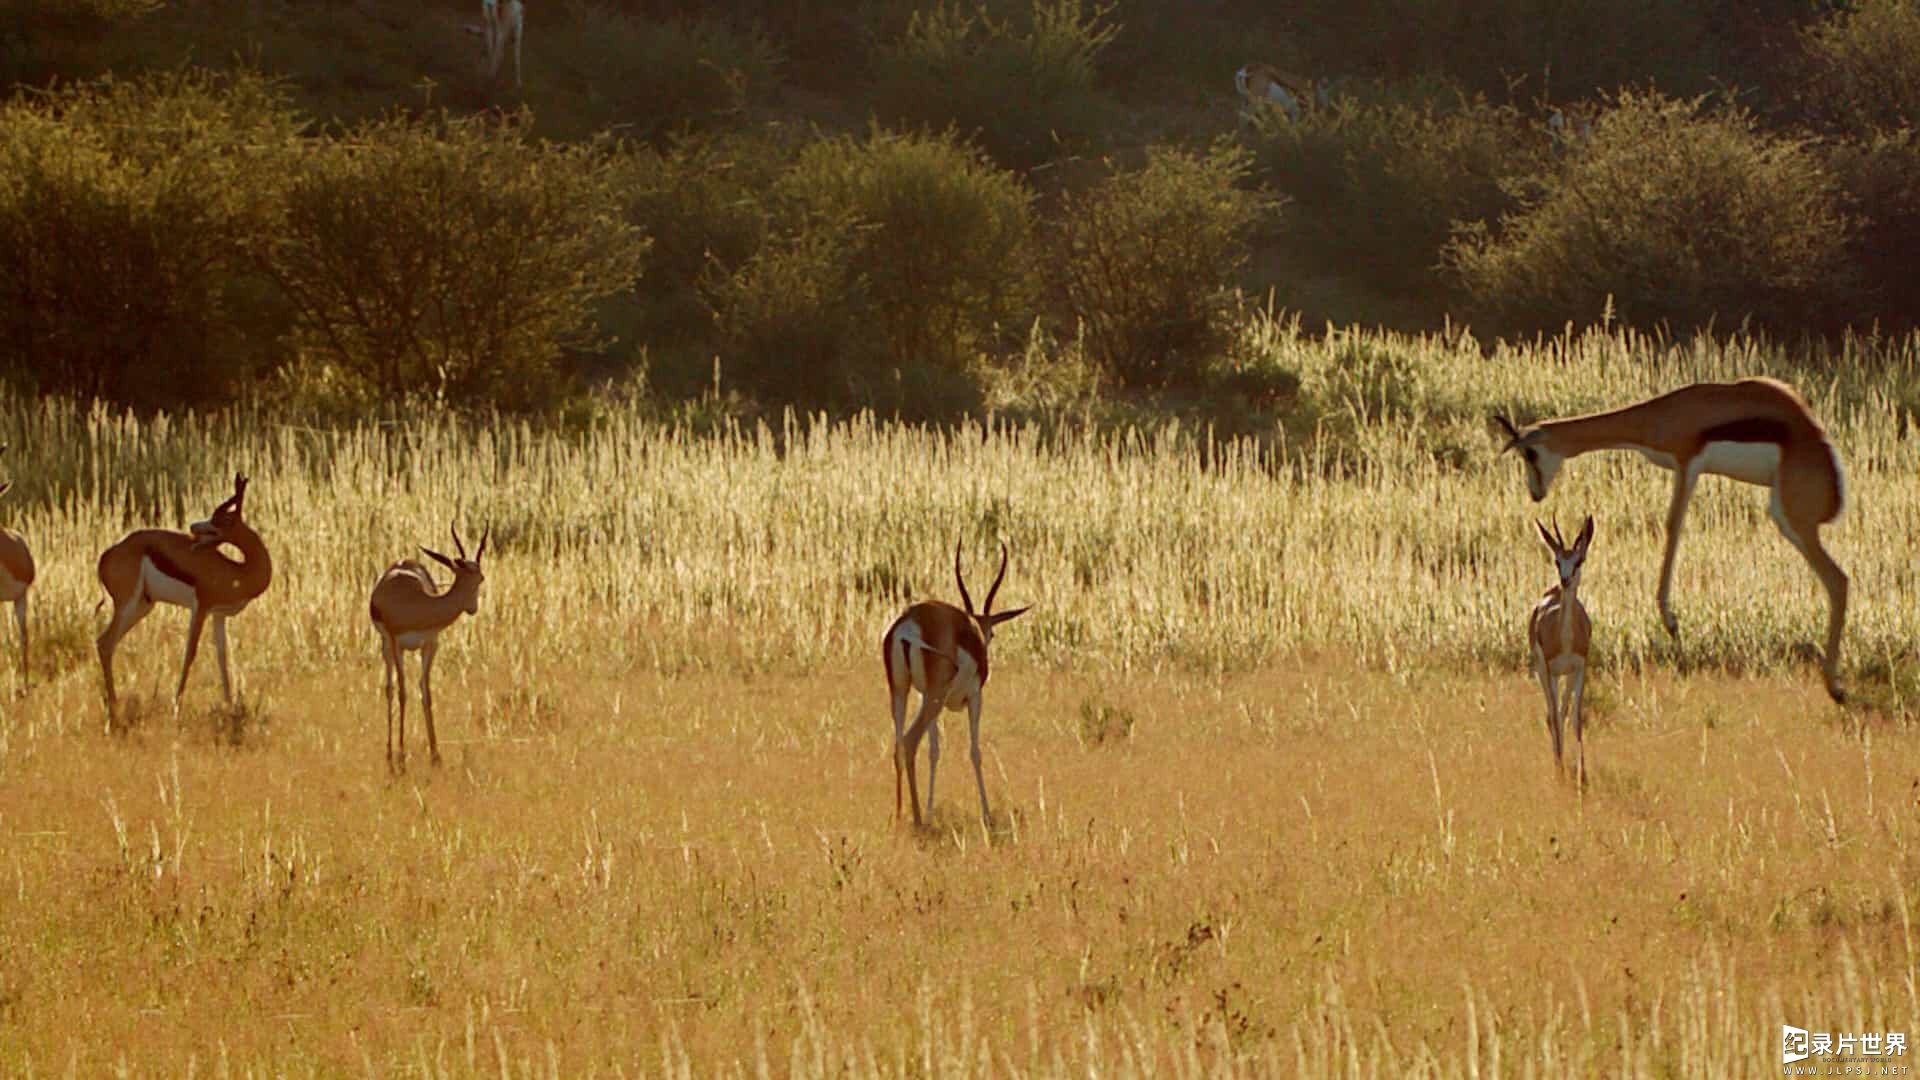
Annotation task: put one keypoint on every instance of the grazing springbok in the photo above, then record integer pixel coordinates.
(1265, 85)
(1558, 632)
(150, 566)
(1754, 430)
(409, 611)
(941, 651)
(16, 575)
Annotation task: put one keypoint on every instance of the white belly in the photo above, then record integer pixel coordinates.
(411, 640)
(1665, 461)
(164, 589)
(1753, 462)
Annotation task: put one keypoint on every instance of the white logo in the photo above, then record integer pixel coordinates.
(1793, 1044)
(1799, 1044)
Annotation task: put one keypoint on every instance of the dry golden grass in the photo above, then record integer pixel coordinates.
(1274, 793)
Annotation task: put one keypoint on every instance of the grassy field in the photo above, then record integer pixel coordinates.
(1272, 786)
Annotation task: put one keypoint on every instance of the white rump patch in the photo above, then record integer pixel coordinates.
(10, 589)
(1752, 462)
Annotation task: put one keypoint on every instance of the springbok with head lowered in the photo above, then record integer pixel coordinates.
(409, 610)
(941, 651)
(1558, 632)
(150, 566)
(16, 575)
(1755, 430)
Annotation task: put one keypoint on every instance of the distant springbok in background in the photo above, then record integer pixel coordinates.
(941, 651)
(409, 610)
(501, 24)
(16, 574)
(1558, 632)
(1267, 86)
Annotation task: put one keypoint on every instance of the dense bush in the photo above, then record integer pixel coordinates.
(1019, 86)
(450, 258)
(1147, 259)
(651, 78)
(1677, 213)
(703, 202)
(1881, 176)
(124, 211)
(911, 253)
(1864, 67)
(1378, 187)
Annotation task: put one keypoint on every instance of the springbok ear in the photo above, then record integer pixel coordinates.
(1546, 537)
(439, 558)
(1586, 535)
(8, 484)
(999, 617)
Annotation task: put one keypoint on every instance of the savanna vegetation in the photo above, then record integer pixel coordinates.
(734, 317)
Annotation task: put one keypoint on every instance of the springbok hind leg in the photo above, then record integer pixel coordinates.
(1835, 579)
(1683, 480)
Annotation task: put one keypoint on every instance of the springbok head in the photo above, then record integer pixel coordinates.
(986, 618)
(466, 571)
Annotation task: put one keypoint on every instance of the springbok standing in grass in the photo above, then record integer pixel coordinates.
(151, 566)
(1754, 430)
(409, 611)
(16, 574)
(941, 651)
(502, 23)
(1558, 631)
(1268, 86)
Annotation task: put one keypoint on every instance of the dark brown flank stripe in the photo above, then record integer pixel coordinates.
(170, 568)
(1752, 429)
(973, 646)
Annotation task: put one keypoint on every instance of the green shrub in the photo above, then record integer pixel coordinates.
(1378, 188)
(1676, 213)
(1864, 67)
(451, 259)
(1019, 90)
(899, 259)
(125, 210)
(703, 203)
(1881, 176)
(649, 78)
(1147, 258)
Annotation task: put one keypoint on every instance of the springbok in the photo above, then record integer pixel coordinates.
(409, 610)
(1755, 430)
(16, 575)
(1558, 632)
(151, 566)
(1266, 85)
(941, 651)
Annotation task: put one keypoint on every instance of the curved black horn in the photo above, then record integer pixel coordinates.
(997, 579)
(453, 527)
(1506, 427)
(960, 579)
(484, 534)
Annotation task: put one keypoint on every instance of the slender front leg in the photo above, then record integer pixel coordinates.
(386, 671)
(1545, 675)
(1575, 693)
(220, 652)
(427, 653)
(194, 627)
(1684, 476)
(400, 684)
(973, 734)
(20, 620)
